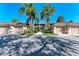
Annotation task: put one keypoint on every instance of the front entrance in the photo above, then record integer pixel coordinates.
(65, 30)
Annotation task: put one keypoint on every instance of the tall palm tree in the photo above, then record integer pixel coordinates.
(30, 11)
(47, 12)
(60, 19)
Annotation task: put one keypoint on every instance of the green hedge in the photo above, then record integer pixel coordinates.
(47, 31)
(35, 31)
(30, 31)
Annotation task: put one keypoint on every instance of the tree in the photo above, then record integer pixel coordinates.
(70, 21)
(47, 12)
(14, 20)
(30, 11)
(60, 19)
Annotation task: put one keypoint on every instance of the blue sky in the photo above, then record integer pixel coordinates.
(70, 11)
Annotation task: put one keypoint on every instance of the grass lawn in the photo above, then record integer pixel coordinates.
(49, 34)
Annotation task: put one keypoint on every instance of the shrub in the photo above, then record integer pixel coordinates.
(47, 31)
(34, 31)
(29, 31)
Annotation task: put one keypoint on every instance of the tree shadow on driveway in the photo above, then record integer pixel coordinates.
(62, 47)
(50, 46)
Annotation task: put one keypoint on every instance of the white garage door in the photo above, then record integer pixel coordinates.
(73, 31)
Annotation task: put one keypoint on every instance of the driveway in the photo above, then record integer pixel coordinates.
(14, 45)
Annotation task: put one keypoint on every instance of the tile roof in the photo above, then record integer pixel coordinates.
(55, 24)
(69, 24)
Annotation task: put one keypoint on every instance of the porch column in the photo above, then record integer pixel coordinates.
(55, 30)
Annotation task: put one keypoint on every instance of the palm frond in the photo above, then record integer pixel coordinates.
(21, 10)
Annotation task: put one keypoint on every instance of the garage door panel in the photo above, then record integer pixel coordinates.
(73, 31)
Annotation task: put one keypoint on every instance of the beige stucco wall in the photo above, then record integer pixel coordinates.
(3, 31)
(71, 30)
(15, 30)
(57, 30)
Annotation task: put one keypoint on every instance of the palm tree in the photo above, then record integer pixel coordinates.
(71, 21)
(14, 20)
(47, 12)
(31, 13)
(60, 19)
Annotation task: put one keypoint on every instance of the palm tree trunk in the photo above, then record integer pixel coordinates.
(46, 25)
(33, 25)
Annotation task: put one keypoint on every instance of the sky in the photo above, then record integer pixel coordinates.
(70, 11)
